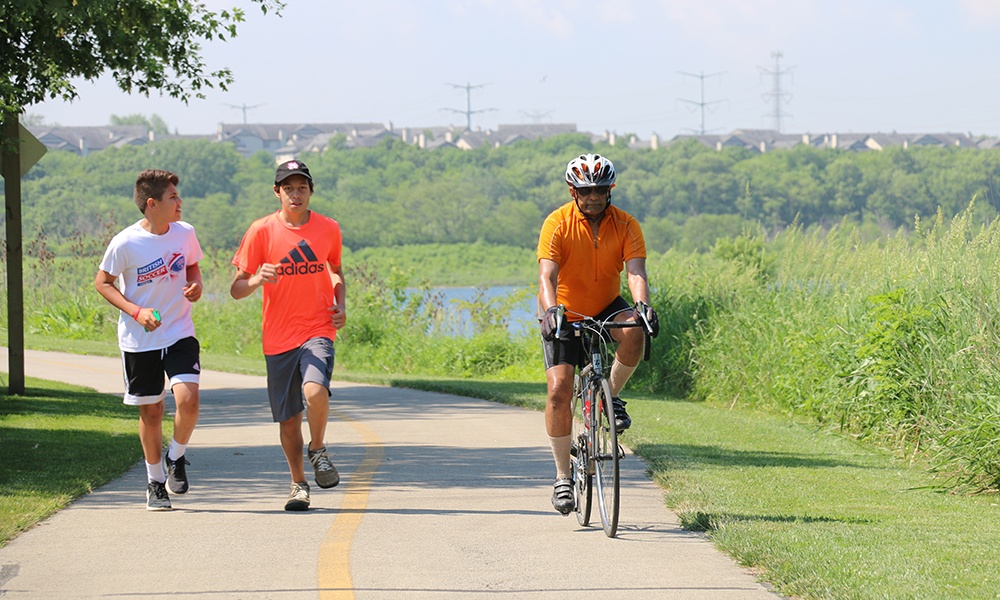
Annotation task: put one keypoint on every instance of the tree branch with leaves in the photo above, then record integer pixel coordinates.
(145, 45)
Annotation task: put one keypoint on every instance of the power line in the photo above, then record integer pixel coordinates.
(701, 104)
(468, 112)
(777, 94)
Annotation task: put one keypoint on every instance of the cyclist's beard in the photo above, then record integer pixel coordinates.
(599, 215)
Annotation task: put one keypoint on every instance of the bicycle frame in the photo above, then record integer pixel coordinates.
(595, 452)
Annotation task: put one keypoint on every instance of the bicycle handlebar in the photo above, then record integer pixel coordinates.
(640, 309)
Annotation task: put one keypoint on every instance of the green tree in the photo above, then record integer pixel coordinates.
(155, 123)
(144, 45)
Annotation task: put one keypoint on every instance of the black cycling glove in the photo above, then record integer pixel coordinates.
(549, 323)
(654, 321)
(651, 318)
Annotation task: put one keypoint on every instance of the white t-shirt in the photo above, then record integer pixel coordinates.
(152, 270)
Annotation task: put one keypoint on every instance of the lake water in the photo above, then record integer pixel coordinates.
(459, 321)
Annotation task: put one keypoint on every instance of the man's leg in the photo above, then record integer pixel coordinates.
(318, 413)
(151, 431)
(558, 416)
(284, 393)
(187, 398)
(291, 444)
(318, 403)
(316, 366)
(627, 357)
(559, 426)
(182, 361)
(151, 438)
(144, 388)
(290, 431)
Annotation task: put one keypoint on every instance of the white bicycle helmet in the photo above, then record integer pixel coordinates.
(590, 170)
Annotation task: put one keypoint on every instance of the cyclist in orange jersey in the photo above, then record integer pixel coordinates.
(583, 247)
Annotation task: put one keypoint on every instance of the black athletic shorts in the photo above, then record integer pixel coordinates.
(144, 370)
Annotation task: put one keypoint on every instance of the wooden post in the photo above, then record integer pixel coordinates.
(15, 274)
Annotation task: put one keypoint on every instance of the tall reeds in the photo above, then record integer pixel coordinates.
(894, 341)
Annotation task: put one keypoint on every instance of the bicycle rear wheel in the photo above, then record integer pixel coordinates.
(579, 460)
(606, 458)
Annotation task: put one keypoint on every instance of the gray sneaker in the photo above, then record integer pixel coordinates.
(298, 496)
(326, 474)
(156, 496)
(177, 481)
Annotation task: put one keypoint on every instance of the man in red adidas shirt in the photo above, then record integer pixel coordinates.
(294, 254)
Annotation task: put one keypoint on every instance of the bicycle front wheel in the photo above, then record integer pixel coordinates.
(580, 462)
(606, 456)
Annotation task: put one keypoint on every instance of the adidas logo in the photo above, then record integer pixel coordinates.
(300, 261)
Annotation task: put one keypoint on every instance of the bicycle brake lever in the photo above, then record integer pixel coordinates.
(560, 311)
(640, 307)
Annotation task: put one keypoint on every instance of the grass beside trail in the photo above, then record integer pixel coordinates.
(813, 513)
(58, 442)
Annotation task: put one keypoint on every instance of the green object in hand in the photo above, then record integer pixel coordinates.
(156, 315)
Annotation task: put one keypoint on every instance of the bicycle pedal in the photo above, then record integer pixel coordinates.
(621, 451)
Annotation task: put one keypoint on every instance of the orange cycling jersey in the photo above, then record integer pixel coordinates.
(296, 306)
(590, 266)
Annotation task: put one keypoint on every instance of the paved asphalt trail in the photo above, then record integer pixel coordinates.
(442, 497)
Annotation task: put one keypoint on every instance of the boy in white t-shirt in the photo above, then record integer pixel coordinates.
(157, 261)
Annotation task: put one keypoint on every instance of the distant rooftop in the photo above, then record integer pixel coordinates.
(286, 140)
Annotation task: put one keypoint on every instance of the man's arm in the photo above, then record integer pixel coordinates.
(338, 312)
(548, 283)
(104, 282)
(638, 282)
(193, 289)
(245, 283)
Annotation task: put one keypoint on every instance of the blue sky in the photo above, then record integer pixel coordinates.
(910, 66)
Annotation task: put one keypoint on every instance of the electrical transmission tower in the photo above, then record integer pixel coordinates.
(536, 116)
(777, 94)
(702, 104)
(244, 108)
(468, 112)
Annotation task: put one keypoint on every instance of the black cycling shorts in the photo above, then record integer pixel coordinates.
(570, 346)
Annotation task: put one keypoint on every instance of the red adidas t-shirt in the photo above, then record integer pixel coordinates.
(296, 306)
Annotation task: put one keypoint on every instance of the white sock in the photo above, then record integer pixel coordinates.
(176, 450)
(560, 452)
(155, 472)
(620, 374)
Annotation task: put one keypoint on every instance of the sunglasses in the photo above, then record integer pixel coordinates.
(601, 190)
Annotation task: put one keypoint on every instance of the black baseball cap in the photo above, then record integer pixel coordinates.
(289, 168)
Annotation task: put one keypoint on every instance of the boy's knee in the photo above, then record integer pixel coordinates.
(315, 392)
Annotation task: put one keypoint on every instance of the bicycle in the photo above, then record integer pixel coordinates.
(595, 452)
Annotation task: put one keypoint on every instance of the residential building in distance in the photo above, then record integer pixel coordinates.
(764, 140)
(284, 141)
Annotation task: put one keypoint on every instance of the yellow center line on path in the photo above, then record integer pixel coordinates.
(334, 567)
